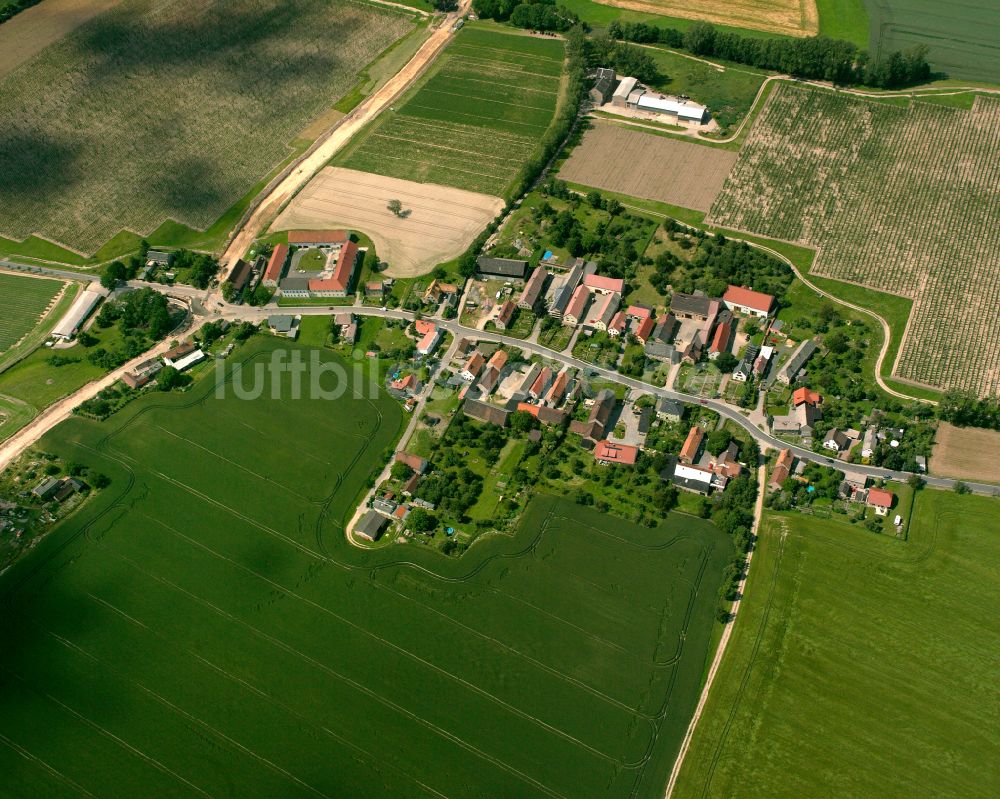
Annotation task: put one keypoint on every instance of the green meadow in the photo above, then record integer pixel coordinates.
(202, 628)
(861, 665)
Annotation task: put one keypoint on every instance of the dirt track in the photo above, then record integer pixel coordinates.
(338, 136)
(441, 221)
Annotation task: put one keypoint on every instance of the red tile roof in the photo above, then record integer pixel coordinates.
(602, 283)
(721, 340)
(758, 300)
(645, 329)
(342, 272)
(880, 497)
(558, 388)
(475, 363)
(276, 263)
(639, 312)
(617, 322)
(616, 453)
(498, 360)
(423, 327)
(803, 394)
(691, 444)
(577, 303)
(317, 236)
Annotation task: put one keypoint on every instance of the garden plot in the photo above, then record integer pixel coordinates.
(436, 225)
(474, 121)
(617, 159)
(901, 199)
(171, 110)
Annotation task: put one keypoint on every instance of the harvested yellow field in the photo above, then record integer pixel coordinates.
(645, 165)
(35, 28)
(437, 222)
(966, 453)
(791, 17)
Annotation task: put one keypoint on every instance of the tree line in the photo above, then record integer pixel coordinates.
(539, 15)
(813, 57)
(965, 409)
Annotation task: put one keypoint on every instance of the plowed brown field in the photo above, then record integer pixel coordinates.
(646, 165)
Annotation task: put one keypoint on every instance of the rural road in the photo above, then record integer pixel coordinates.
(328, 145)
(56, 413)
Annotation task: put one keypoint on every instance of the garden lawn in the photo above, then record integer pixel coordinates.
(203, 628)
(861, 665)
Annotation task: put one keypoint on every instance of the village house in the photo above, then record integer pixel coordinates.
(782, 469)
(670, 409)
(794, 364)
(607, 452)
(600, 415)
(618, 324)
(317, 238)
(276, 265)
(562, 288)
(284, 325)
(600, 284)
(533, 289)
(836, 441)
(577, 305)
(745, 301)
(692, 446)
(504, 315)
(473, 366)
(484, 412)
(142, 374)
(183, 356)
(723, 337)
(881, 500)
(415, 462)
(690, 478)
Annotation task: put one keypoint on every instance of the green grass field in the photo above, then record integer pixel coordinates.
(202, 627)
(861, 665)
(899, 199)
(964, 42)
(474, 120)
(24, 300)
(844, 19)
(157, 111)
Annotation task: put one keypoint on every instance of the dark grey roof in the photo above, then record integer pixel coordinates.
(664, 330)
(645, 419)
(691, 304)
(371, 525)
(507, 267)
(281, 323)
(294, 284)
(671, 407)
(485, 412)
